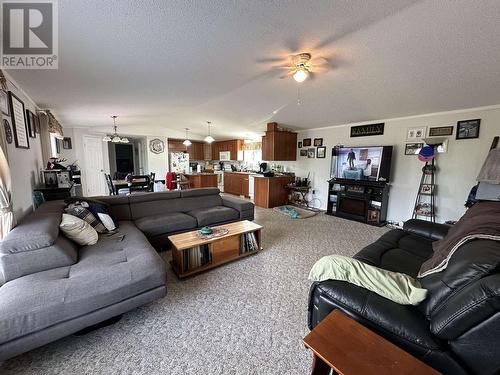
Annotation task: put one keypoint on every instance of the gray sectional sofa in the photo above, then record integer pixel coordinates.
(50, 287)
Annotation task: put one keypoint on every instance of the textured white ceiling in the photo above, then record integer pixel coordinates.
(166, 65)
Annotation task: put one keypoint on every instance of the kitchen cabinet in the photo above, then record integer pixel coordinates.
(279, 145)
(271, 191)
(196, 151)
(236, 183)
(202, 180)
(234, 146)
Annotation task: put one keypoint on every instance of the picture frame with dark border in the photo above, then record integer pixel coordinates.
(306, 142)
(318, 142)
(440, 131)
(4, 103)
(19, 125)
(468, 129)
(299, 145)
(367, 130)
(66, 143)
(30, 118)
(303, 152)
(321, 152)
(413, 148)
(311, 153)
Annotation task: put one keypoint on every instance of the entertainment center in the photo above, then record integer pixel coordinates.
(358, 189)
(364, 201)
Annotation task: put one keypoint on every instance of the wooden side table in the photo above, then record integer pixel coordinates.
(342, 344)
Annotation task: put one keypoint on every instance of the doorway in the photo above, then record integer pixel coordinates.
(124, 156)
(94, 183)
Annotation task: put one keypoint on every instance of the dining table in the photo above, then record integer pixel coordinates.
(122, 184)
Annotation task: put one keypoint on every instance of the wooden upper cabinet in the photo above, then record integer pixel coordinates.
(196, 151)
(279, 145)
(234, 146)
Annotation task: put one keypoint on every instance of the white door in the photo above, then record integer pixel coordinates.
(93, 179)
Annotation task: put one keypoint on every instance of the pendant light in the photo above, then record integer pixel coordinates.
(115, 138)
(187, 142)
(209, 138)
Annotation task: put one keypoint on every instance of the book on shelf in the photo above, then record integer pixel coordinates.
(248, 243)
(196, 257)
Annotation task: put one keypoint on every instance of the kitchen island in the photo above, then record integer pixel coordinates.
(237, 183)
(201, 180)
(271, 191)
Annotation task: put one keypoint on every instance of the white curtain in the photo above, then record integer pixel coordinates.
(6, 215)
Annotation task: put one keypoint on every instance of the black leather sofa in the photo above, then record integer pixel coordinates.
(456, 329)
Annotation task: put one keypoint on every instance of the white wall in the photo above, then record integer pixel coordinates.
(25, 164)
(457, 169)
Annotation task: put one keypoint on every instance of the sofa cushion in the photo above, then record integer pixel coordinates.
(83, 213)
(118, 205)
(165, 223)
(214, 215)
(118, 267)
(199, 192)
(35, 245)
(397, 251)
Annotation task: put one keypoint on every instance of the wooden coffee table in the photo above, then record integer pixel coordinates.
(342, 344)
(192, 254)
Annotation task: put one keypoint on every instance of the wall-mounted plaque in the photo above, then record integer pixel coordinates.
(367, 130)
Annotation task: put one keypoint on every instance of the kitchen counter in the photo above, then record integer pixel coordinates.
(271, 191)
(201, 180)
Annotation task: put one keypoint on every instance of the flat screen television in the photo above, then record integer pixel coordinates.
(370, 163)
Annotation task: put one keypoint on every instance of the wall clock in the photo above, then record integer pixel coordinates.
(156, 146)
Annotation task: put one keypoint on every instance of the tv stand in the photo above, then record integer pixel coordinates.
(360, 200)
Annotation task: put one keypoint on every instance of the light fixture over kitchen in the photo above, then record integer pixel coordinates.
(187, 142)
(209, 138)
(115, 138)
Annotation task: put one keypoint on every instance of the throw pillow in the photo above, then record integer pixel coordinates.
(395, 286)
(78, 230)
(81, 212)
(107, 221)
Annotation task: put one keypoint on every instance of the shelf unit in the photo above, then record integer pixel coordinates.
(425, 202)
(221, 250)
(359, 200)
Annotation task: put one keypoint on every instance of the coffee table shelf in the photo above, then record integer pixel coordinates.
(223, 249)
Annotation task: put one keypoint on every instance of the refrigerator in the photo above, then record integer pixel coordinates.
(179, 162)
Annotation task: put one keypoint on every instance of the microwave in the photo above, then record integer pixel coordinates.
(225, 155)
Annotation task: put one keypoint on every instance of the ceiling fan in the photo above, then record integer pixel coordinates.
(303, 66)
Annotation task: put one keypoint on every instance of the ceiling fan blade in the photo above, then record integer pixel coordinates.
(320, 61)
(283, 67)
(290, 73)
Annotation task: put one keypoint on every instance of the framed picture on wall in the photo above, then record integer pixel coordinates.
(318, 142)
(413, 148)
(440, 131)
(303, 152)
(30, 119)
(4, 103)
(415, 134)
(66, 143)
(19, 126)
(299, 144)
(306, 142)
(321, 152)
(311, 153)
(468, 129)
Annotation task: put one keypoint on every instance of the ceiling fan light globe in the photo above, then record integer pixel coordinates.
(300, 75)
(116, 139)
(209, 139)
(106, 138)
(125, 140)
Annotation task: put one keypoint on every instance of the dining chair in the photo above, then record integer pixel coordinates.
(183, 182)
(140, 183)
(152, 176)
(109, 182)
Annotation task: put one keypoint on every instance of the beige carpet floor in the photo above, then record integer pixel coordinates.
(247, 317)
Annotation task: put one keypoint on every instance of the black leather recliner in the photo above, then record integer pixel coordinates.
(456, 329)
